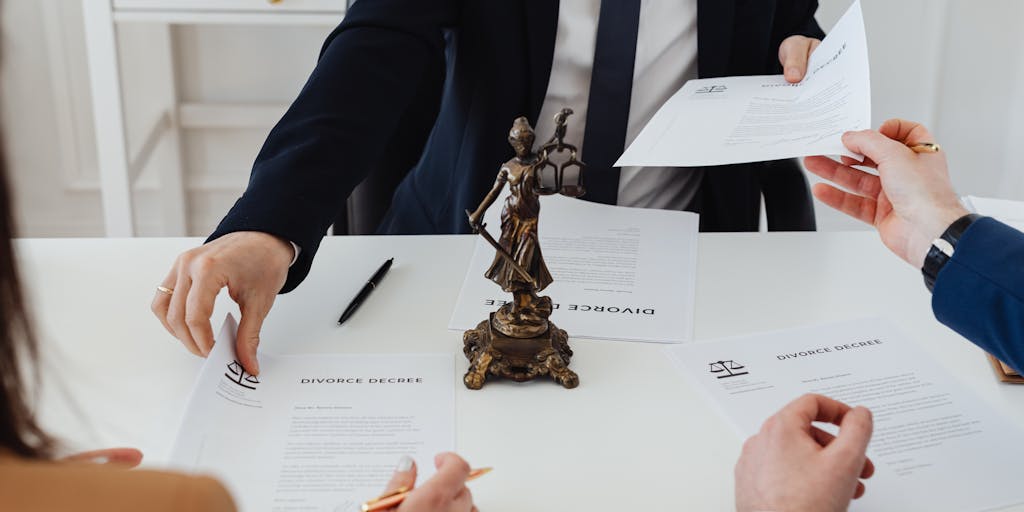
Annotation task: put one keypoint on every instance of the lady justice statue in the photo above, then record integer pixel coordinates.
(518, 341)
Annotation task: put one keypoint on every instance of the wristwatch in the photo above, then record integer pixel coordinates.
(942, 248)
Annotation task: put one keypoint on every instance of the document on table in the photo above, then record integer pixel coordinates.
(1004, 210)
(936, 445)
(315, 432)
(619, 273)
(731, 120)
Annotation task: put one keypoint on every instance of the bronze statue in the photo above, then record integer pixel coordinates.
(518, 341)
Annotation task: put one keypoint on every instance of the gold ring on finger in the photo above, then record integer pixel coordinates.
(165, 290)
(925, 147)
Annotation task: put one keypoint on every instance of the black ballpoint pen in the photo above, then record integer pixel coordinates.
(365, 292)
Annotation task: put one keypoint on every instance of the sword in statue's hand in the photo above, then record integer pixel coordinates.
(481, 229)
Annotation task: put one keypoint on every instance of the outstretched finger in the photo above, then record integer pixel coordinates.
(162, 299)
(198, 310)
(859, 182)
(176, 314)
(249, 335)
(860, 208)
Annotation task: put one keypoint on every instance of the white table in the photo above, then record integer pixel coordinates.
(633, 436)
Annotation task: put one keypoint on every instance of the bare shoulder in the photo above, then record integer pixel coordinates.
(38, 486)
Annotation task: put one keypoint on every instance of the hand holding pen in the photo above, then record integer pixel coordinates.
(446, 491)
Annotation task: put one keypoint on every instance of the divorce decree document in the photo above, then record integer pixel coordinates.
(315, 432)
(740, 119)
(936, 445)
(619, 273)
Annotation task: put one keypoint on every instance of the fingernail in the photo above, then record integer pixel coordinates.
(792, 72)
(404, 464)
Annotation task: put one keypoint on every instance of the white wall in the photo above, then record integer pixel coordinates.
(37, 115)
(51, 143)
(958, 67)
(953, 64)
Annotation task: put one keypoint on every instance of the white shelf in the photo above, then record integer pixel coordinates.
(230, 12)
(232, 5)
(228, 18)
(119, 172)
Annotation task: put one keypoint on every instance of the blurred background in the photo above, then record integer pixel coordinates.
(183, 92)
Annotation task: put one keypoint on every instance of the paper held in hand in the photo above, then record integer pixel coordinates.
(315, 432)
(732, 120)
(936, 445)
(619, 273)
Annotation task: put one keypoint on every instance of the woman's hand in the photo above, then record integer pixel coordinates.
(446, 491)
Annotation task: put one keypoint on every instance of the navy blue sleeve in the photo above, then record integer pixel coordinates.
(385, 59)
(979, 293)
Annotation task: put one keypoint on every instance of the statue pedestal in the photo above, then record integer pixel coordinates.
(520, 359)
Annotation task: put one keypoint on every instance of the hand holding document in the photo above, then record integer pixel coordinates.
(935, 445)
(620, 273)
(317, 432)
(718, 121)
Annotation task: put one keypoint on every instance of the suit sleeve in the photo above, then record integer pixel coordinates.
(793, 18)
(383, 60)
(979, 293)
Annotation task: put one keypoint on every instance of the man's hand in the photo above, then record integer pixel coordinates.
(911, 201)
(794, 52)
(794, 466)
(445, 492)
(252, 265)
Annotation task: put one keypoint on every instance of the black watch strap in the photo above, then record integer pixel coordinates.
(942, 249)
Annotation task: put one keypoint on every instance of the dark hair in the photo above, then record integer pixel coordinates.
(19, 432)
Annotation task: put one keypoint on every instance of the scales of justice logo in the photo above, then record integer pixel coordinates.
(238, 376)
(730, 367)
(711, 89)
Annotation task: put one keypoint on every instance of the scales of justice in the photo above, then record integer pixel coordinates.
(518, 341)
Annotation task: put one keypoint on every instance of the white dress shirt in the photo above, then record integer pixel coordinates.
(666, 57)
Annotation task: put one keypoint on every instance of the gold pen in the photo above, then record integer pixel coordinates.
(924, 147)
(393, 498)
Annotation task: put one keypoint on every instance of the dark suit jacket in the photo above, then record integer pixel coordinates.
(433, 86)
(979, 293)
